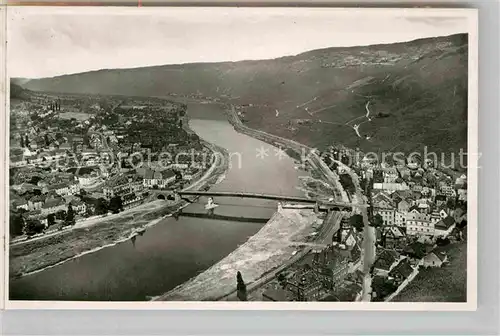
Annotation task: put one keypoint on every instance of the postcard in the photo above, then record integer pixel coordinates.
(240, 158)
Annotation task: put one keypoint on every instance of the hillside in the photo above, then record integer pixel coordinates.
(17, 92)
(416, 92)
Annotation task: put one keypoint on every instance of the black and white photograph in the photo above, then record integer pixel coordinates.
(246, 158)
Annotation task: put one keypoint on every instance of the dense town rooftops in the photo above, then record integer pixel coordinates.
(403, 269)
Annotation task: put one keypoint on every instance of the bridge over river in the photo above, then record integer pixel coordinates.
(273, 197)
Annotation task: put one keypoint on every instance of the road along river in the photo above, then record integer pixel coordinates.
(173, 251)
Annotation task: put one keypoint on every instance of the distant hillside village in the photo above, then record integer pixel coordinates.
(419, 213)
(74, 157)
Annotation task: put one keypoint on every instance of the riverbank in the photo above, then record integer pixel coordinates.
(45, 252)
(272, 246)
(305, 153)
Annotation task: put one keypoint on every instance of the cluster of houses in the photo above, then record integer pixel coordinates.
(417, 207)
(53, 160)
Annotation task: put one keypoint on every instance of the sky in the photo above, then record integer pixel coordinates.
(46, 42)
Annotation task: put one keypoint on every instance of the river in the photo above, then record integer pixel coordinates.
(173, 251)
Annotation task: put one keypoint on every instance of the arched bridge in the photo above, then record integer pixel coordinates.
(263, 196)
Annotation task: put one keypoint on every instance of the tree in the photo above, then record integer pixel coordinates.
(101, 206)
(61, 214)
(382, 288)
(35, 179)
(33, 227)
(356, 221)
(22, 141)
(347, 184)
(282, 280)
(70, 216)
(241, 288)
(16, 224)
(51, 219)
(178, 175)
(378, 221)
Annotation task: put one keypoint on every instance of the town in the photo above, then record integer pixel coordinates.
(418, 214)
(74, 157)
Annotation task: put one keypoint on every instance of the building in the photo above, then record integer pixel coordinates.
(404, 172)
(448, 190)
(462, 194)
(20, 203)
(419, 224)
(382, 205)
(62, 189)
(391, 186)
(390, 175)
(18, 161)
(122, 185)
(435, 217)
(444, 227)
(53, 205)
(349, 237)
(191, 174)
(400, 218)
(332, 264)
(160, 179)
(88, 179)
(79, 206)
(393, 237)
(403, 206)
(304, 285)
(35, 203)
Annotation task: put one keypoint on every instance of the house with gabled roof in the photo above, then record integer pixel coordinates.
(53, 205)
(417, 250)
(403, 206)
(435, 258)
(386, 260)
(401, 271)
(444, 227)
(393, 237)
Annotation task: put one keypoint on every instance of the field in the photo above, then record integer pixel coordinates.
(446, 284)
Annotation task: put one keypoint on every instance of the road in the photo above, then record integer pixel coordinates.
(368, 246)
(91, 221)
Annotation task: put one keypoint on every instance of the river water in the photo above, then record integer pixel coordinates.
(173, 251)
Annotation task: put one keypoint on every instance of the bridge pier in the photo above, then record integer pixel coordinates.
(280, 207)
